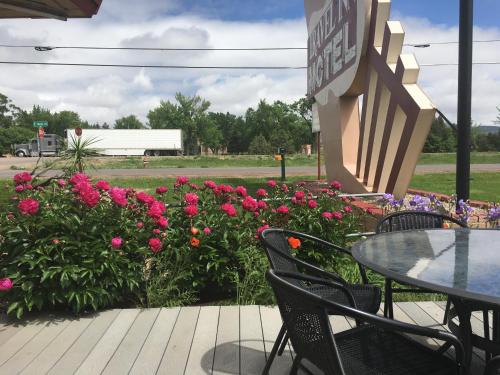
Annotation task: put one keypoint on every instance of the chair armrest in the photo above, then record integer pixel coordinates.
(315, 271)
(317, 280)
(319, 241)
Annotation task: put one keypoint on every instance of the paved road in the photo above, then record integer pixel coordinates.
(246, 172)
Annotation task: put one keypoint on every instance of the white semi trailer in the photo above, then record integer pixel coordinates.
(132, 142)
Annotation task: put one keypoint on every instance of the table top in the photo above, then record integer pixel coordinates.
(459, 262)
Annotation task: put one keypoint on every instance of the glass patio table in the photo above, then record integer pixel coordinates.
(462, 263)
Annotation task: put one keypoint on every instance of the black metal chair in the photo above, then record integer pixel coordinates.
(411, 220)
(493, 366)
(365, 297)
(378, 347)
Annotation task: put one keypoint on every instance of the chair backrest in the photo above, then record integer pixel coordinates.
(307, 324)
(278, 252)
(411, 220)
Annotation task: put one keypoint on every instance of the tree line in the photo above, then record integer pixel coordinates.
(261, 130)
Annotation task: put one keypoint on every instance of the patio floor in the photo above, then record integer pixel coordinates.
(187, 340)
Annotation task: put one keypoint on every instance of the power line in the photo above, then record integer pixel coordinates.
(49, 47)
(203, 67)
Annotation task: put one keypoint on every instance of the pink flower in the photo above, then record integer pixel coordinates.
(28, 206)
(161, 189)
(284, 188)
(145, 198)
(22, 178)
(261, 192)
(271, 183)
(102, 185)
(118, 196)
(347, 209)
(261, 229)
(324, 190)
(19, 188)
(182, 180)
(139, 225)
(226, 188)
(116, 242)
(210, 184)
(10, 216)
(79, 178)
(249, 204)
(207, 230)
(194, 187)
(327, 215)
(191, 199)
(241, 191)
(262, 205)
(30, 187)
(156, 209)
(337, 215)
(312, 203)
(299, 195)
(156, 231)
(191, 210)
(229, 209)
(336, 185)
(162, 222)
(282, 209)
(5, 284)
(55, 241)
(61, 182)
(88, 195)
(155, 245)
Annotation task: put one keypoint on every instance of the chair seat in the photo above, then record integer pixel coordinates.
(371, 351)
(367, 297)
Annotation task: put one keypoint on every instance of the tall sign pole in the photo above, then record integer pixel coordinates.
(464, 99)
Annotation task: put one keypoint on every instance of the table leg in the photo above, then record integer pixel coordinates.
(463, 330)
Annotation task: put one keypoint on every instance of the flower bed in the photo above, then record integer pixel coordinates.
(80, 244)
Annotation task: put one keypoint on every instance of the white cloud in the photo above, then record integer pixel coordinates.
(104, 94)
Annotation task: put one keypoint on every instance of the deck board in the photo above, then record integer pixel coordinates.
(185, 341)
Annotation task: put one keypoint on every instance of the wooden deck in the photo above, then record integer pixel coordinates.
(187, 340)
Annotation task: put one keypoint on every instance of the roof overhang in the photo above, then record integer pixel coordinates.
(57, 9)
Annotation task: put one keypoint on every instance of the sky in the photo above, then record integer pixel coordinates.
(105, 94)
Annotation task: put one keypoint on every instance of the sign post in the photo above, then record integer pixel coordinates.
(40, 124)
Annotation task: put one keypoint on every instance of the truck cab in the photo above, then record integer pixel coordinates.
(49, 145)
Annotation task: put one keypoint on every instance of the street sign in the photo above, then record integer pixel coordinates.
(78, 132)
(40, 124)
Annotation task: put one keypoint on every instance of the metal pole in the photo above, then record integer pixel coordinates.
(283, 175)
(464, 99)
(319, 155)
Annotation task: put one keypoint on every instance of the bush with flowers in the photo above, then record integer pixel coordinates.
(80, 244)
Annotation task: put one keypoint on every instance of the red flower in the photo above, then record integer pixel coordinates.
(210, 184)
(347, 209)
(191, 198)
(294, 242)
(327, 215)
(161, 189)
(156, 231)
(271, 183)
(261, 192)
(195, 242)
(102, 185)
(19, 188)
(140, 224)
(282, 209)
(28, 206)
(241, 191)
(337, 215)
(162, 222)
(191, 210)
(229, 209)
(155, 245)
(262, 205)
(261, 229)
(118, 196)
(194, 187)
(145, 198)
(284, 188)
(88, 195)
(22, 178)
(182, 180)
(61, 182)
(55, 241)
(194, 231)
(299, 195)
(156, 209)
(312, 203)
(207, 230)
(336, 185)
(249, 204)
(79, 178)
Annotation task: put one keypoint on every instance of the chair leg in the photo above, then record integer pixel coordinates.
(446, 311)
(283, 344)
(274, 350)
(486, 328)
(388, 309)
(295, 366)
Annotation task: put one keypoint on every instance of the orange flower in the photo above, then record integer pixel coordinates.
(194, 231)
(294, 242)
(195, 242)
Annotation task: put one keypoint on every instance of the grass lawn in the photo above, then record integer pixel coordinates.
(451, 158)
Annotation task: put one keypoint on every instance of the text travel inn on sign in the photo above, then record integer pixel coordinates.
(331, 44)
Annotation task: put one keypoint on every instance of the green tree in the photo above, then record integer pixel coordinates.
(187, 114)
(129, 122)
(211, 136)
(441, 138)
(8, 112)
(13, 135)
(260, 146)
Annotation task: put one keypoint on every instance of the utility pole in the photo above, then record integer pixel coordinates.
(464, 100)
